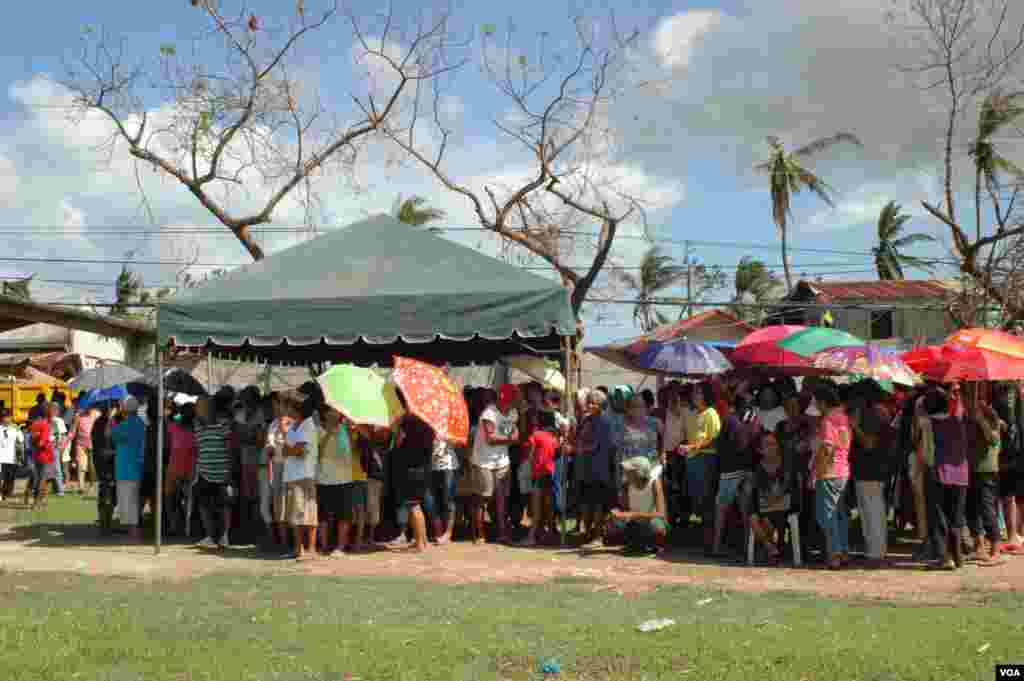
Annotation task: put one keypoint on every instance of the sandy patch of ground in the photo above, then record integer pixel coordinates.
(80, 549)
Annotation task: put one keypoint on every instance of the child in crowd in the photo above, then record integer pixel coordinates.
(772, 499)
(539, 454)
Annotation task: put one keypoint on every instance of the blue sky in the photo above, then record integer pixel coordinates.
(734, 73)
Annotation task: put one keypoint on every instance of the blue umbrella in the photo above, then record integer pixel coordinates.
(114, 394)
(682, 358)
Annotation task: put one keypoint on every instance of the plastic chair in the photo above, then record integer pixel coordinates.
(793, 520)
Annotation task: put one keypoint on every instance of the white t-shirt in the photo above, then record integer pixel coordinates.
(494, 456)
(275, 443)
(772, 417)
(303, 467)
(444, 456)
(58, 429)
(9, 437)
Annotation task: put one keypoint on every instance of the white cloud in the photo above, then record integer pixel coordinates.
(677, 38)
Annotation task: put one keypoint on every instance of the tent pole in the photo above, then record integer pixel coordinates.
(567, 410)
(209, 372)
(158, 496)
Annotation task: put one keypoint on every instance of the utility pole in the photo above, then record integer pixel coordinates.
(689, 281)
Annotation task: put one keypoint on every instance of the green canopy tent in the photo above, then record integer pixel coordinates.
(367, 292)
(364, 294)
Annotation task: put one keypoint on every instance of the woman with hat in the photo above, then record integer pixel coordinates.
(641, 519)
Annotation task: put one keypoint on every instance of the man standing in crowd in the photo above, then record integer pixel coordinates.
(10, 438)
(59, 436)
(213, 467)
(43, 457)
(129, 440)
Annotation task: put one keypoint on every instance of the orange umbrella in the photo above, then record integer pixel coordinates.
(432, 397)
(989, 339)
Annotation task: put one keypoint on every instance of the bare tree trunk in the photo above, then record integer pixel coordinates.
(785, 261)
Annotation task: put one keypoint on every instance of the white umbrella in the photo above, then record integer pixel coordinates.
(103, 377)
(538, 369)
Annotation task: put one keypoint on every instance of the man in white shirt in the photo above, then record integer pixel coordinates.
(59, 436)
(10, 438)
(490, 468)
(302, 449)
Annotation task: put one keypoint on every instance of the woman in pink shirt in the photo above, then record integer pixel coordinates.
(832, 473)
(81, 435)
(182, 440)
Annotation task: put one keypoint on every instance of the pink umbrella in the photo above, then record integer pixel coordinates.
(761, 348)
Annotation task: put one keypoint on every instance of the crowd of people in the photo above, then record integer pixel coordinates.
(716, 464)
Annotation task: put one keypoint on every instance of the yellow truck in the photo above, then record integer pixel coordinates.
(19, 395)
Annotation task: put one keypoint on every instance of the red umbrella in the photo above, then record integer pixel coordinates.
(431, 396)
(949, 363)
(989, 339)
(761, 348)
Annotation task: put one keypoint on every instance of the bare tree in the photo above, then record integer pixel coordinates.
(972, 49)
(245, 122)
(557, 109)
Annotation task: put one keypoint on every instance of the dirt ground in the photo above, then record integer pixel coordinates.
(80, 549)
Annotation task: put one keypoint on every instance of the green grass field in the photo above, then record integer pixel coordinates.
(72, 508)
(304, 628)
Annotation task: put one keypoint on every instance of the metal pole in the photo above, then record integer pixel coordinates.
(159, 495)
(209, 372)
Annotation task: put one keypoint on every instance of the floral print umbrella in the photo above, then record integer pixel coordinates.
(867, 361)
(432, 397)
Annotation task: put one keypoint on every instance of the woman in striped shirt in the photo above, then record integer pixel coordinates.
(213, 470)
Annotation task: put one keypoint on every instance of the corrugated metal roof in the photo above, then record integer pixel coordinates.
(709, 318)
(872, 291)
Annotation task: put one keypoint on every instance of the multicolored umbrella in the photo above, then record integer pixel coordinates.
(989, 339)
(811, 341)
(866, 361)
(361, 395)
(432, 397)
(761, 348)
(682, 358)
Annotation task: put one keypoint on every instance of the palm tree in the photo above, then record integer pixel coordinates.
(130, 291)
(997, 111)
(889, 261)
(657, 272)
(412, 211)
(788, 177)
(755, 283)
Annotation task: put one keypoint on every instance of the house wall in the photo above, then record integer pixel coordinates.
(857, 322)
(923, 323)
(92, 346)
(717, 331)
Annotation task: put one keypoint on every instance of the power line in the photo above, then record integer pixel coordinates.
(658, 302)
(187, 263)
(63, 230)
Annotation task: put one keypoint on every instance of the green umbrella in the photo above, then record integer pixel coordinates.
(817, 339)
(362, 397)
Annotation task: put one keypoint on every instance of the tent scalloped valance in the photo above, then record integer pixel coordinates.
(198, 340)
